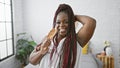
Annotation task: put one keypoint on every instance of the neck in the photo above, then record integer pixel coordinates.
(60, 38)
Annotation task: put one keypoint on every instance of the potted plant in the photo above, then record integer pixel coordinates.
(24, 46)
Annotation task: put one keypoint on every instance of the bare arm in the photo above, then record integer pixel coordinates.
(39, 52)
(35, 57)
(86, 31)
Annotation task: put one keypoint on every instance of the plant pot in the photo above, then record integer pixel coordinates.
(22, 65)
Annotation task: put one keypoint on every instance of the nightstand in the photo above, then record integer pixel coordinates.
(108, 61)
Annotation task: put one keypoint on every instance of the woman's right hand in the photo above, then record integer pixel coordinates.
(39, 51)
(43, 49)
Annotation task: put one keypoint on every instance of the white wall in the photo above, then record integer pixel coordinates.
(18, 28)
(38, 16)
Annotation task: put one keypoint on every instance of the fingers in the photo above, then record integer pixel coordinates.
(56, 26)
(44, 47)
(44, 50)
(38, 48)
(46, 43)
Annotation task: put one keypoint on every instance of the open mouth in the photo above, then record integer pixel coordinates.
(62, 30)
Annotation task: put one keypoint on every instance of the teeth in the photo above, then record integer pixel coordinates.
(62, 30)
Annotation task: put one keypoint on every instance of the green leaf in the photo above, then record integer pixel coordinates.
(24, 47)
(21, 51)
(21, 34)
(32, 43)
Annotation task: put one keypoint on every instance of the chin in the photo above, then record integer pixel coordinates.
(63, 35)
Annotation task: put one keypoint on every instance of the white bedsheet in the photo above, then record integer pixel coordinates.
(87, 61)
(90, 61)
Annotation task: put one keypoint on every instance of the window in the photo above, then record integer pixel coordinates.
(6, 30)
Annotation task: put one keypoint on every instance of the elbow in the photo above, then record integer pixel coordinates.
(32, 61)
(93, 21)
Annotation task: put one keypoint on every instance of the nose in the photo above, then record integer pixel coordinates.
(61, 24)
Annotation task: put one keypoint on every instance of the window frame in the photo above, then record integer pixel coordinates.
(12, 33)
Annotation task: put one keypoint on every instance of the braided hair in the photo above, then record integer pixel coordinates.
(70, 43)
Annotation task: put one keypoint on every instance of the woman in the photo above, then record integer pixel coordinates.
(63, 51)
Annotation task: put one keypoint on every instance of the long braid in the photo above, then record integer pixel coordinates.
(69, 46)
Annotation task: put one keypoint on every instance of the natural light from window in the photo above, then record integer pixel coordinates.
(6, 30)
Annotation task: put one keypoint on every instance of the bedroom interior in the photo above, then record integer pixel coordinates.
(35, 18)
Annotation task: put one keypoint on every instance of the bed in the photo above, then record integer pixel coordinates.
(88, 60)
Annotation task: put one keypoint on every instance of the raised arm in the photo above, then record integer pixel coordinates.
(37, 54)
(86, 31)
(35, 57)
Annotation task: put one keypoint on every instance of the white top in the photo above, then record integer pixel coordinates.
(45, 61)
(82, 61)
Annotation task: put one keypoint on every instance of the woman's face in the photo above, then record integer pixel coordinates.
(62, 24)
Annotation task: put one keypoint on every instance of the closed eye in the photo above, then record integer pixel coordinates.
(57, 22)
(66, 22)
